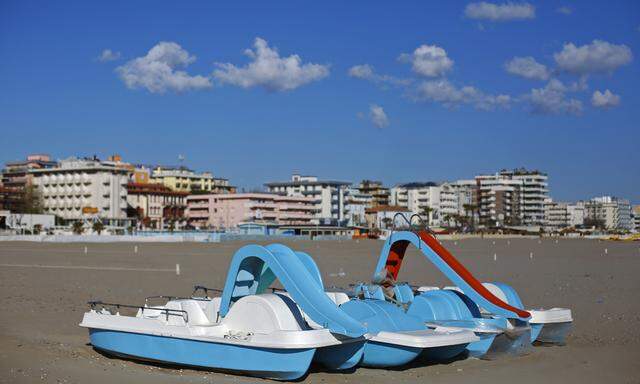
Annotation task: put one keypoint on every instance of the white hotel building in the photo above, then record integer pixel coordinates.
(513, 197)
(81, 189)
(329, 197)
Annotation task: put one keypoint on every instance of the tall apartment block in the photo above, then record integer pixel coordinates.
(612, 212)
(512, 198)
(80, 188)
(329, 197)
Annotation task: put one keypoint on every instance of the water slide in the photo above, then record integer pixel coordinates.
(393, 253)
(254, 267)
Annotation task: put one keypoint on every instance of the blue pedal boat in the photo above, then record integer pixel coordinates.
(507, 329)
(244, 331)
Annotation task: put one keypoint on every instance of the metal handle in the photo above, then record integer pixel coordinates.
(206, 290)
(168, 312)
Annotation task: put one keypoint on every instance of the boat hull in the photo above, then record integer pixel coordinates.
(383, 355)
(553, 333)
(272, 363)
(342, 356)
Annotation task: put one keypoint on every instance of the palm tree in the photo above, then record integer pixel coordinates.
(426, 212)
(98, 227)
(470, 208)
(78, 227)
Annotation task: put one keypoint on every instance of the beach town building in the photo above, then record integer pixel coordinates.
(609, 212)
(183, 179)
(556, 215)
(356, 204)
(155, 206)
(329, 197)
(379, 194)
(223, 211)
(420, 198)
(82, 189)
(499, 201)
(16, 177)
(576, 214)
(636, 218)
(16, 174)
(381, 216)
(512, 198)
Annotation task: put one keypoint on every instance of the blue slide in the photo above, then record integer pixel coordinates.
(254, 267)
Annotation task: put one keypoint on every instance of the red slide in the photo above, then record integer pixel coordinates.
(396, 254)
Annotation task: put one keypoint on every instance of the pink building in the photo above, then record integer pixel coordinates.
(228, 210)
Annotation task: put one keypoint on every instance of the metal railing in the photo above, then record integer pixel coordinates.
(166, 311)
(411, 228)
(204, 289)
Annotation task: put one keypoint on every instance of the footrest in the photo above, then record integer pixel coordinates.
(428, 338)
(553, 315)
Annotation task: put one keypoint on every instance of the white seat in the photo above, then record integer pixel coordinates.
(338, 297)
(196, 315)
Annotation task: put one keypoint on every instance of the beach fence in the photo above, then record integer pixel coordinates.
(166, 237)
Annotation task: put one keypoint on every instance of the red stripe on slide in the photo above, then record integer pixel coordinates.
(466, 275)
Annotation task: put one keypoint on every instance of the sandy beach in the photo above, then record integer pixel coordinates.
(45, 287)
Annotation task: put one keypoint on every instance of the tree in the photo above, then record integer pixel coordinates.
(426, 212)
(78, 227)
(31, 201)
(470, 208)
(387, 222)
(98, 227)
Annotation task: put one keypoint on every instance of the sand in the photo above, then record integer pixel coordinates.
(44, 288)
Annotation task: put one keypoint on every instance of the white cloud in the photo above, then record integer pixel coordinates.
(551, 99)
(108, 55)
(367, 72)
(597, 57)
(445, 93)
(607, 99)
(565, 10)
(527, 67)
(270, 71)
(378, 116)
(428, 60)
(500, 12)
(158, 70)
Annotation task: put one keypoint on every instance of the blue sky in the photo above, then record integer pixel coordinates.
(435, 93)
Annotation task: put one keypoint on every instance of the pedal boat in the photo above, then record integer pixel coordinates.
(243, 331)
(505, 329)
(392, 338)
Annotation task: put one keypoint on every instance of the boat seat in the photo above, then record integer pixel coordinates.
(211, 309)
(338, 297)
(195, 313)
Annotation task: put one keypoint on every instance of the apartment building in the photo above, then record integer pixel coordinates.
(610, 212)
(576, 213)
(183, 179)
(381, 216)
(78, 189)
(356, 204)
(636, 218)
(156, 206)
(421, 198)
(444, 202)
(556, 215)
(222, 211)
(512, 198)
(16, 174)
(379, 194)
(329, 197)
